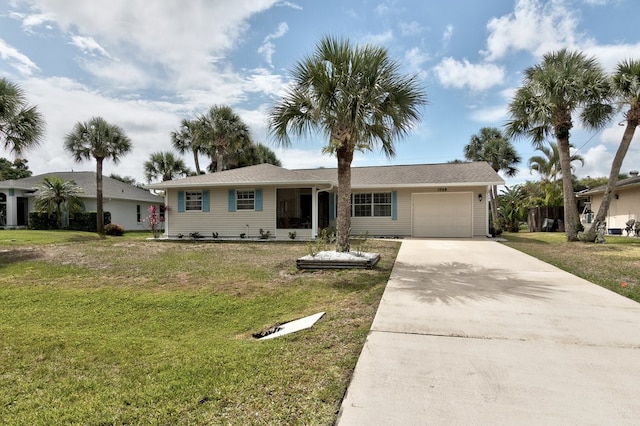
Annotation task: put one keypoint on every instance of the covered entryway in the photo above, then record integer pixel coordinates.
(442, 215)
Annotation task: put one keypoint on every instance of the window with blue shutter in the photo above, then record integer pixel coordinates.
(258, 200)
(394, 205)
(205, 201)
(180, 201)
(232, 200)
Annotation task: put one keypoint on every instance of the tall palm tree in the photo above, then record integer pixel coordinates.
(222, 132)
(564, 82)
(356, 96)
(492, 146)
(548, 164)
(186, 139)
(97, 139)
(21, 126)
(55, 193)
(626, 87)
(164, 165)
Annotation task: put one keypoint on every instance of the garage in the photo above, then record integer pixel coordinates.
(442, 215)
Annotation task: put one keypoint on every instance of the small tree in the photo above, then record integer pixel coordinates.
(58, 196)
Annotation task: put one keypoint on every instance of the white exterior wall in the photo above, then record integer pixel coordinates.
(219, 219)
(626, 207)
(402, 225)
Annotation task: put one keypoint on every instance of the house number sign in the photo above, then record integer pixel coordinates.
(442, 189)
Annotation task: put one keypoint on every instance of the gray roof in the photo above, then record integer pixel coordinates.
(450, 174)
(111, 188)
(622, 184)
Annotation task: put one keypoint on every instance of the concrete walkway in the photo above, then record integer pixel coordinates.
(471, 332)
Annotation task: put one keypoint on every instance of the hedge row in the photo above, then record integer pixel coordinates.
(84, 221)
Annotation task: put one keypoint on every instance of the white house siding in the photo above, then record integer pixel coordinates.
(124, 212)
(402, 226)
(219, 219)
(626, 207)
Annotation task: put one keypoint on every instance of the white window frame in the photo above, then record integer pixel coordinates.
(368, 204)
(193, 201)
(245, 199)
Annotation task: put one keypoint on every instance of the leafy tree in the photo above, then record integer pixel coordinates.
(221, 131)
(164, 165)
(17, 169)
(56, 195)
(513, 207)
(97, 139)
(248, 154)
(563, 83)
(126, 179)
(492, 146)
(356, 96)
(626, 86)
(189, 138)
(21, 125)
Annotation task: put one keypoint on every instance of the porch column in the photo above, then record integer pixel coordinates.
(314, 212)
(12, 209)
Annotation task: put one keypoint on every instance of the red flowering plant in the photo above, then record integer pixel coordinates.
(154, 218)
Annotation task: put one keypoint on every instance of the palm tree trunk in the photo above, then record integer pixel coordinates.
(493, 203)
(196, 160)
(571, 217)
(633, 117)
(99, 205)
(343, 221)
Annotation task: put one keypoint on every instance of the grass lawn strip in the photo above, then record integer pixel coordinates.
(119, 331)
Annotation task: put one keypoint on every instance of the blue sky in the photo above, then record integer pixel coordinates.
(145, 65)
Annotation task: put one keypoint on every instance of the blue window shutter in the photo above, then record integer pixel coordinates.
(205, 201)
(332, 206)
(232, 200)
(394, 205)
(258, 200)
(180, 201)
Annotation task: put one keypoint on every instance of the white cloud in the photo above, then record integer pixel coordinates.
(447, 34)
(409, 29)
(415, 58)
(461, 74)
(378, 39)
(268, 48)
(88, 45)
(17, 60)
(488, 115)
(534, 27)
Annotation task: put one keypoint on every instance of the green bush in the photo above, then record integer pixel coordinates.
(43, 221)
(86, 221)
(114, 229)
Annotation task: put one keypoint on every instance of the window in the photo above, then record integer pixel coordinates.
(138, 214)
(377, 204)
(193, 200)
(245, 200)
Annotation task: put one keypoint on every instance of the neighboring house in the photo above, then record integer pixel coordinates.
(127, 204)
(625, 203)
(425, 200)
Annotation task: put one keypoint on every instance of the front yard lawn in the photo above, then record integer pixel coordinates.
(614, 265)
(129, 331)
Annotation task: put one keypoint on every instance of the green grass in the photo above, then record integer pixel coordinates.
(129, 331)
(614, 265)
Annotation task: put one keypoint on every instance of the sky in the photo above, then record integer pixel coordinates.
(145, 65)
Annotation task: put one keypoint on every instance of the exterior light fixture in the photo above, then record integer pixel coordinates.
(480, 197)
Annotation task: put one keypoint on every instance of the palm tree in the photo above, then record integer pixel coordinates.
(186, 139)
(222, 131)
(97, 139)
(164, 165)
(563, 83)
(54, 193)
(626, 86)
(548, 165)
(492, 146)
(356, 96)
(21, 126)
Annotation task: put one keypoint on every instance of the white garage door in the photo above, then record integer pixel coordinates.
(443, 215)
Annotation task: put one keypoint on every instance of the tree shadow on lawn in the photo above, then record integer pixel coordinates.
(459, 282)
(17, 255)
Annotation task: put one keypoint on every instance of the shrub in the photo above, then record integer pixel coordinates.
(114, 229)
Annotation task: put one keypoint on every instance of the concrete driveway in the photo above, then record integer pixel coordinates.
(471, 332)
